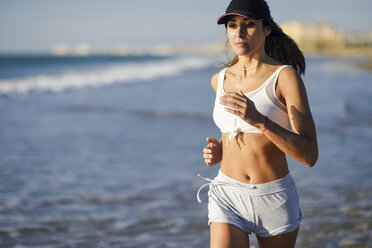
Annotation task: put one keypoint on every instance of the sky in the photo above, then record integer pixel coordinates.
(38, 25)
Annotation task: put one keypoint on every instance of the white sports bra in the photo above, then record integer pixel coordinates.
(265, 100)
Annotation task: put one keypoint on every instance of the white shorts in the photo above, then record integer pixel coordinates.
(266, 209)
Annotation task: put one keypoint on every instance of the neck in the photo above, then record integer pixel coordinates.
(251, 63)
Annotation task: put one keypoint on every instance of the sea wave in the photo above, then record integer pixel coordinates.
(98, 77)
(148, 112)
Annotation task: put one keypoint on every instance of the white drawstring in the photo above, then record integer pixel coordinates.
(218, 183)
(207, 179)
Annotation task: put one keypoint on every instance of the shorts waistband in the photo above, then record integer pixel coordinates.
(256, 189)
(251, 189)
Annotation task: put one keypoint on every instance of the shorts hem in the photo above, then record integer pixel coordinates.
(280, 231)
(229, 221)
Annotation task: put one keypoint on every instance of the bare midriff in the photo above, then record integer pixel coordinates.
(252, 158)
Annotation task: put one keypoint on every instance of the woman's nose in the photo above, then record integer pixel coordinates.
(241, 31)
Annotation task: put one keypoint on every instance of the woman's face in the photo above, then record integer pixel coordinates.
(246, 35)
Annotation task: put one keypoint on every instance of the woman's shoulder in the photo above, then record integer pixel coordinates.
(289, 80)
(285, 71)
(214, 80)
(288, 73)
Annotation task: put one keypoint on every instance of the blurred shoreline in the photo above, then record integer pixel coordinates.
(313, 37)
(214, 48)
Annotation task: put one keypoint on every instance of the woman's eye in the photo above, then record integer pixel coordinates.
(250, 24)
(243, 25)
(231, 25)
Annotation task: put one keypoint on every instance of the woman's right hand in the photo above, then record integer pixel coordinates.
(212, 152)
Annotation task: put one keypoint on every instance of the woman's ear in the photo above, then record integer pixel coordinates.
(267, 30)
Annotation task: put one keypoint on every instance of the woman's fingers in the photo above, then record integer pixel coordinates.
(211, 152)
(231, 104)
(236, 96)
(207, 155)
(234, 100)
(212, 140)
(238, 104)
(233, 111)
(207, 150)
(209, 162)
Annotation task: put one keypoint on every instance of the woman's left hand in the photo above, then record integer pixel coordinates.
(241, 106)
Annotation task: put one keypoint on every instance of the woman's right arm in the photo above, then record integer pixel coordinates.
(213, 151)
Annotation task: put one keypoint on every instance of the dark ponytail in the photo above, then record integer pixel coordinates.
(283, 48)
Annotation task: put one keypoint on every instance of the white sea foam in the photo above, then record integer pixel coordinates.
(98, 77)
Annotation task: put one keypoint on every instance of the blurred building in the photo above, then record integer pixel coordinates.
(61, 50)
(321, 37)
(357, 39)
(314, 36)
(82, 49)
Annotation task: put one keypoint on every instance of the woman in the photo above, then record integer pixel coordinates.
(260, 98)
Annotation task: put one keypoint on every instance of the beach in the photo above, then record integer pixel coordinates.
(104, 151)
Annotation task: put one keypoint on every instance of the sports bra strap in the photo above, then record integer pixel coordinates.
(221, 78)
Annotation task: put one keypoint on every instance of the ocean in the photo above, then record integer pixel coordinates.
(104, 151)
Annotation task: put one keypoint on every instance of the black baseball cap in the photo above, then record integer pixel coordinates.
(254, 9)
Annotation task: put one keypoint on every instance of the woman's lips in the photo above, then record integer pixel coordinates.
(240, 44)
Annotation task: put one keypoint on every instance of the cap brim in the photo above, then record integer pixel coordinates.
(223, 18)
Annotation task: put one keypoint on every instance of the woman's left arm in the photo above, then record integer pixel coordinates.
(301, 144)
